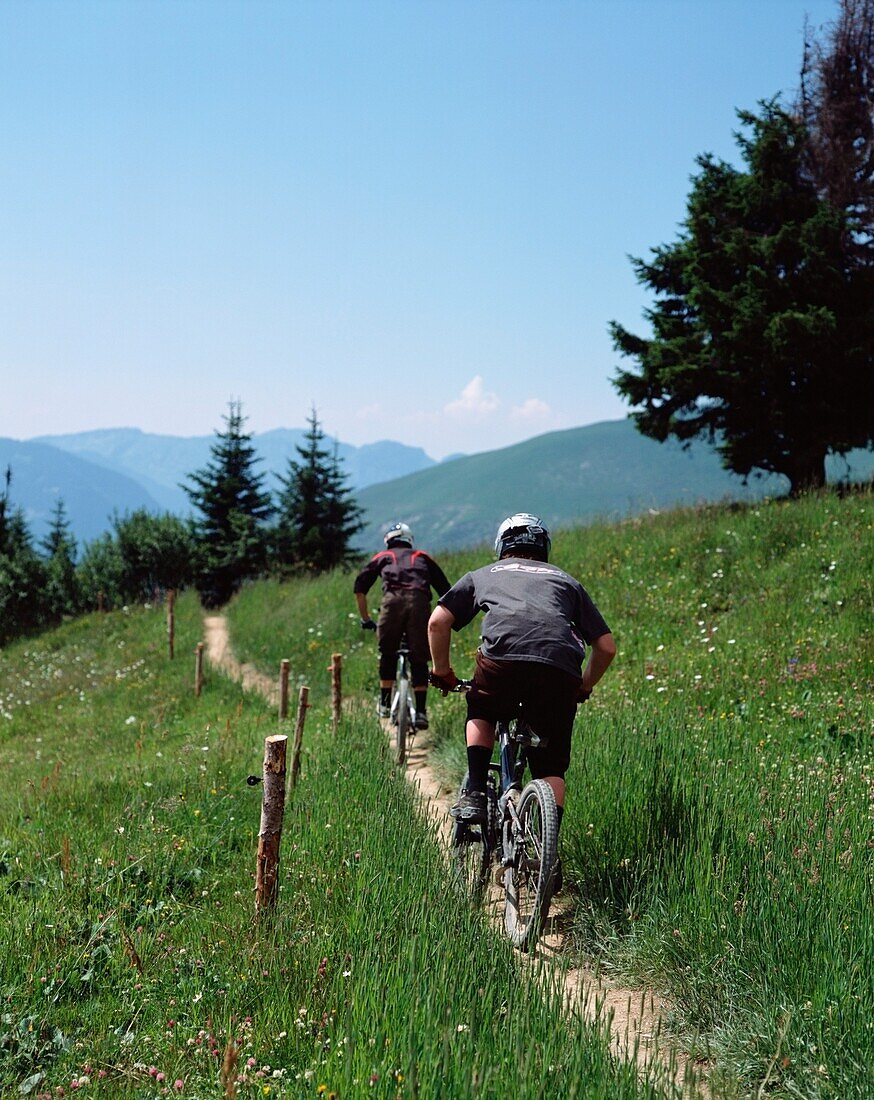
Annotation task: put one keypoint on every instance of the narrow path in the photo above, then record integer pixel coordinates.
(221, 656)
(635, 1016)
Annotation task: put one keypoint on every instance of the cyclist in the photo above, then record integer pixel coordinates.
(538, 621)
(408, 576)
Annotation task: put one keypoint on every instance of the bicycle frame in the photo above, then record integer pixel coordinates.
(512, 739)
(403, 705)
(525, 857)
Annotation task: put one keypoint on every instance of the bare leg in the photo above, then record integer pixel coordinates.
(480, 733)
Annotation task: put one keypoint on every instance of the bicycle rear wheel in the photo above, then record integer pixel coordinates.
(403, 718)
(471, 856)
(528, 880)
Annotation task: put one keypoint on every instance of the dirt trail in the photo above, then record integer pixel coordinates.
(636, 1016)
(220, 654)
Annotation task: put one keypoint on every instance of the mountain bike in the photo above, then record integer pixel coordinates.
(403, 704)
(520, 836)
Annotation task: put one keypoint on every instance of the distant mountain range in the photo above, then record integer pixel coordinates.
(42, 474)
(121, 469)
(602, 471)
(605, 470)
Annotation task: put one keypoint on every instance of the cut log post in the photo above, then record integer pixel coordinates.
(336, 687)
(283, 689)
(270, 833)
(171, 621)
(198, 668)
(302, 705)
(100, 599)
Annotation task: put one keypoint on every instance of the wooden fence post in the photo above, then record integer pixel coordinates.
(100, 597)
(171, 621)
(198, 668)
(302, 705)
(270, 833)
(283, 688)
(336, 687)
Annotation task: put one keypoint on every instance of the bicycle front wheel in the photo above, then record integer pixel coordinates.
(403, 717)
(529, 878)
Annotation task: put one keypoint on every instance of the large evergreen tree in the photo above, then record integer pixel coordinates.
(59, 548)
(317, 515)
(233, 506)
(763, 327)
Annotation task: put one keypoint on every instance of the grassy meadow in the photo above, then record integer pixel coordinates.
(130, 964)
(718, 835)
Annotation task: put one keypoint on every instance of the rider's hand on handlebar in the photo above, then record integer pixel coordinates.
(444, 683)
(368, 624)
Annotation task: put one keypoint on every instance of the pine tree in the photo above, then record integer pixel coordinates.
(836, 103)
(763, 327)
(22, 574)
(59, 548)
(317, 516)
(233, 505)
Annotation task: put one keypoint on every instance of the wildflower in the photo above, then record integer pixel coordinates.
(179, 1084)
(130, 720)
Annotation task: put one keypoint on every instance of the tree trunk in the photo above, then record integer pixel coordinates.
(807, 474)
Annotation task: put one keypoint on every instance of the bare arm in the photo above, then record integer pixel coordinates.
(439, 634)
(602, 652)
(361, 600)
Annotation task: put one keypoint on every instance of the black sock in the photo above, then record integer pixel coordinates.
(421, 701)
(385, 697)
(477, 767)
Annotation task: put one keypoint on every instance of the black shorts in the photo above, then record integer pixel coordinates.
(548, 696)
(404, 613)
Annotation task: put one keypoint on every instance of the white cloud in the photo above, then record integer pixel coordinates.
(369, 412)
(531, 410)
(475, 401)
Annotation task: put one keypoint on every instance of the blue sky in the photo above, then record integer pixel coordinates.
(415, 216)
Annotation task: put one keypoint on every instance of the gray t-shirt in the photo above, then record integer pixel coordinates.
(533, 612)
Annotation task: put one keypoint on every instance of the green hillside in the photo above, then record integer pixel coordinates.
(130, 964)
(602, 471)
(717, 835)
(716, 842)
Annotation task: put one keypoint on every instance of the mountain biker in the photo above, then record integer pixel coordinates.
(408, 576)
(538, 621)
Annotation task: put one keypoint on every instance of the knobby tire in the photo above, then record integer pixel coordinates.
(471, 855)
(403, 719)
(528, 881)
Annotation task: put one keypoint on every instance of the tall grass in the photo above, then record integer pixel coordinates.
(718, 831)
(129, 961)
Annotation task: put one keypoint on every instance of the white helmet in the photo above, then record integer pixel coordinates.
(525, 532)
(398, 532)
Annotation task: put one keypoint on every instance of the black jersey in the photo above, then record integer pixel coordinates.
(402, 569)
(533, 612)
